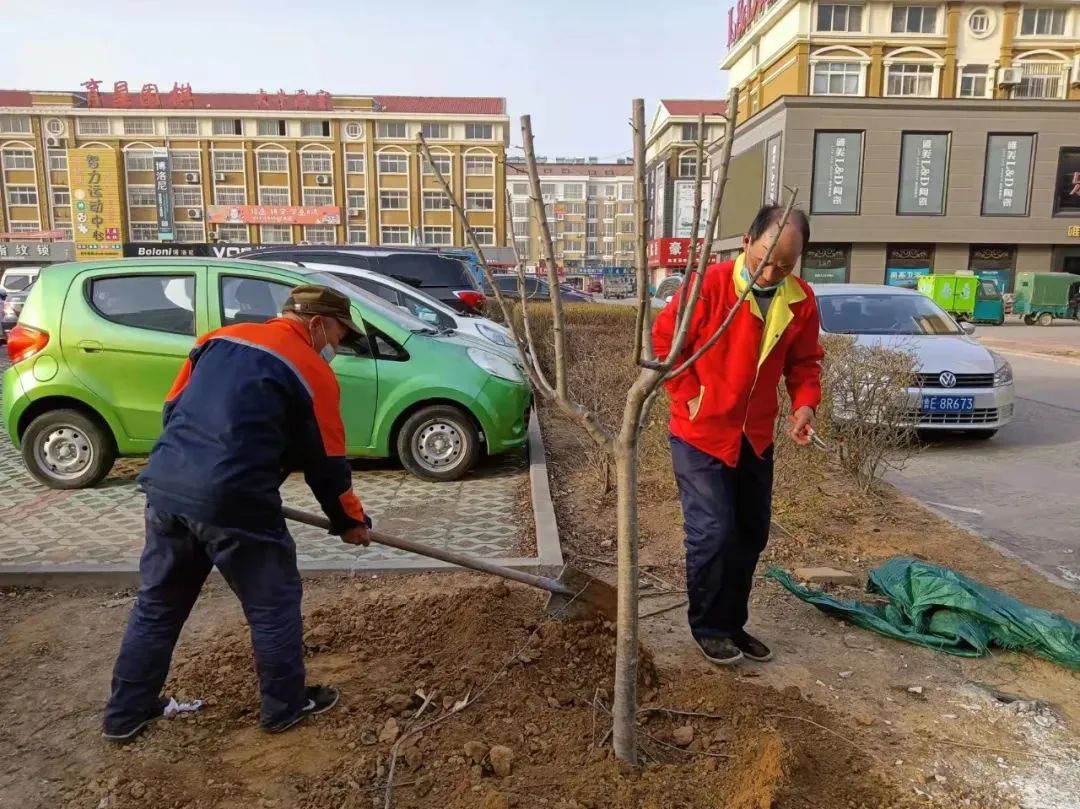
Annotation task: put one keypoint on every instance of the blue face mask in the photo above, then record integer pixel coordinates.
(748, 277)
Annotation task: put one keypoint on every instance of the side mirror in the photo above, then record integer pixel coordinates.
(967, 328)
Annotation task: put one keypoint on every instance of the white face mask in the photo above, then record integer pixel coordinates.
(327, 351)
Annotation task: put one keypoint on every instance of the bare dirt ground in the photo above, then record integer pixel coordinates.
(841, 719)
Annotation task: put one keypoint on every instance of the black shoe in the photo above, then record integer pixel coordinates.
(751, 647)
(721, 651)
(320, 699)
(126, 733)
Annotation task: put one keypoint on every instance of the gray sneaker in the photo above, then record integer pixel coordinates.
(320, 699)
(721, 651)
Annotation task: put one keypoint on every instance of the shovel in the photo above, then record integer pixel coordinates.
(574, 594)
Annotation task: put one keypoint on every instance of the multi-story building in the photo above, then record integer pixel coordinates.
(181, 171)
(923, 137)
(590, 211)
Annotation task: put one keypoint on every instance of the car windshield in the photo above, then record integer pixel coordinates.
(883, 314)
(395, 314)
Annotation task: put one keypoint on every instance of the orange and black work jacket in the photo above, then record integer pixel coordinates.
(252, 403)
(731, 390)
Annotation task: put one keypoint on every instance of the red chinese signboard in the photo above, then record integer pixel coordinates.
(742, 15)
(181, 97)
(274, 214)
(670, 253)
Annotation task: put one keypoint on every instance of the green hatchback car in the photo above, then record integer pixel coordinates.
(99, 344)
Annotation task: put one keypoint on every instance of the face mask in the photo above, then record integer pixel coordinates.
(327, 351)
(748, 277)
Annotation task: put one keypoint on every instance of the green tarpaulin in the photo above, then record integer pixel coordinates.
(944, 610)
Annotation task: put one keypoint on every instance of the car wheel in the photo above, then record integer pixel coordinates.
(1029, 319)
(65, 449)
(439, 442)
(1045, 319)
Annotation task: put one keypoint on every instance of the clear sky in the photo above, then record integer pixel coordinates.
(574, 65)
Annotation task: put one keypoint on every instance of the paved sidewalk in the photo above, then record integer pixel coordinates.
(42, 530)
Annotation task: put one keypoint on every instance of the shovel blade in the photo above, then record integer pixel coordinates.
(585, 597)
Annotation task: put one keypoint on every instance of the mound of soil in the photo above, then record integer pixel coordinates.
(473, 698)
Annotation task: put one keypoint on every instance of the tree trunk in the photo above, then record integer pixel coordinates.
(624, 710)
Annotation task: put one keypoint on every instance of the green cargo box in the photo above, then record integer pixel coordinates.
(953, 293)
(1042, 296)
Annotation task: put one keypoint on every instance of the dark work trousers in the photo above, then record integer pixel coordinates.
(726, 514)
(259, 567)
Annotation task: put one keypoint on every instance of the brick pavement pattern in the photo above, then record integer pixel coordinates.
(479, 515)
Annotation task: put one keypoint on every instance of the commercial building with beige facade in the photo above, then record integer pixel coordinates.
(198, 169)
(923, 137)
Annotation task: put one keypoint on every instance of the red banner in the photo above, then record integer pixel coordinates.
(671, 253)
(274, 214)
(34, 236)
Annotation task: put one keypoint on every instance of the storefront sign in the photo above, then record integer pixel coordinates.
(1073, 232)
(907, 277)
(742, 15)
(659, 199)
(837, 164)
(826, 264)
(95, 203)
(1007, 177)
(672, 253)
(274, 214)
(992, 262)
(33, 235)
(163, 194)
(906, 264)
(184, 250)
(37, 251)
(684, 208)
(771, 194)
(1067, 193)
(924, 167)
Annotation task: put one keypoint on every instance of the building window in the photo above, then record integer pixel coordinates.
(271, 128)
(22, 195)
(479, 131)
(436, 131)
(92, 126)
(690, 132)
(315, 129)
(520, 189)
(61, 196)
(394, 234)
(547, 189)
(439, 236)
(273, 162)
(318, 196)
(839, 17)
(609, 230)
(235, 234)
(227, 126)
(229, 162)
(1041, 80)
(357, 235)
(183, 126)
(573, 191)
(479, 165)
(627, 226)
(230, 195)
(979, 22)
(139, 161)
(65, 228)
(394, 200)
(58, 161)
(436, 201)
(185, 161)
(1067, 185)
(187, 197)
(972, 82)
(479, 200)
(138, 126)
(1043, 22)
(688, 165)
(15, 124)
(273, 195)
(520, 210)
(275, 234)
(142, 196)
(521, 229)
(914, 19)
(626, 191)
(354, 163)
(19, 159)
(392, 129)
(442, 162)
(575, 208)
(356, 200)
(144, 232)
(320, 234)
(910, 80)
(189, 232)
(838, 78)
(393, 163)
(315, 162)
(591, 210)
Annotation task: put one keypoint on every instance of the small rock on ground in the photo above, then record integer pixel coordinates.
(502, 759)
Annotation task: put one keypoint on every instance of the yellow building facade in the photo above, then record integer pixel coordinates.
(253, 168)
(987, 49)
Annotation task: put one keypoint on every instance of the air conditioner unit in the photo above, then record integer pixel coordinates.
(1009, 76)
(191, 177)
(219, 177)
(322, 179)
(194, 213)
(52, 141)
(355, 211)
(1074, 77)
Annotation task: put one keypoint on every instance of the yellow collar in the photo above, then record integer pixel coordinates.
(788, 292)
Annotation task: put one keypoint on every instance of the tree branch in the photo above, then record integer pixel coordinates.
(530, 344)
(643, 348)
(699, 183)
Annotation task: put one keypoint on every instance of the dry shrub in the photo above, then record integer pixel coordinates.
(856, 381)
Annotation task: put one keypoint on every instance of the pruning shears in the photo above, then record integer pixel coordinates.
(816, 440)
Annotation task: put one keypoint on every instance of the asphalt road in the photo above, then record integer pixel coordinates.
(1020, 490)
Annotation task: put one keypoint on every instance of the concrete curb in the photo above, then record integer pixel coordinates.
(1031, 355)
(548, 559)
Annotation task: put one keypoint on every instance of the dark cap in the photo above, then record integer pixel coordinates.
(309, 299)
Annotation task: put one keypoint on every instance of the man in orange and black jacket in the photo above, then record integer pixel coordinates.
(253, 402)
(723, 412)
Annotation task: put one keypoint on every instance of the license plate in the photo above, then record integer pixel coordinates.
(948, 404)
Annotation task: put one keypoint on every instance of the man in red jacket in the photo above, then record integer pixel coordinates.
(723, 411)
